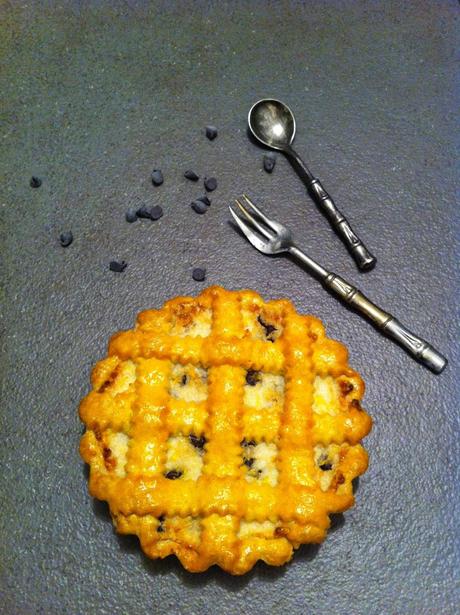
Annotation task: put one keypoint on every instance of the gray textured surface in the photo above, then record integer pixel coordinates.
(93, 98)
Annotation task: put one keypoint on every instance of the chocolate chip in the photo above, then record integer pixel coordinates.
(199, 274)
(35, 182)
(245, 442)
(110, 379)
(131, 215)
(173, 474)
(183, 380)
(150, 213)
(248, 461)
(211, 132)
(345, 387)
(204, 199)
(156, 212)
(252, 377)
(118, 266)
(191, 175)
(356, 404)
(66, 239)
(281, 531)
(143, 212)
(198, 442)
(199, 207)
(210, 183)
(157, 177)
(160, 527)
(109, 461)
(326, 467)
(269, 162)
(269, 329)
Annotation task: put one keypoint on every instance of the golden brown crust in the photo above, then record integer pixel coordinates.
(270, 460)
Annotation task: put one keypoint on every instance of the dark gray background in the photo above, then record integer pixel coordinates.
(97, 94)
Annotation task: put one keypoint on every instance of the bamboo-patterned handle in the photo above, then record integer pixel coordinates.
(364, 259)
(416, 346)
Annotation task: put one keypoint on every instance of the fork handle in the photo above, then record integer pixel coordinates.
(416, 346)
(364, 259)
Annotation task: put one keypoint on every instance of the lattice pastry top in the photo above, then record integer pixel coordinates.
(224, 430)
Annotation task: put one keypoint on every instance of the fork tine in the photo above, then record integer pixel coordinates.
(262, 230)
(256, 210)
(240, 223)
(259, 243)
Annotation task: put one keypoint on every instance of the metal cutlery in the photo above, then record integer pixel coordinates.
(273, 124)
(271, 237)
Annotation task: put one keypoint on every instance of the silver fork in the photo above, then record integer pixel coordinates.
(271, 237)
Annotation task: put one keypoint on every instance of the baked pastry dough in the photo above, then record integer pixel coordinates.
(224, 430)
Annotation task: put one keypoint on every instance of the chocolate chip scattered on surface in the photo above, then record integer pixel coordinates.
(118, 266)
(269, 162)
(199, 207)
(131, 215)
(66, 239)
(204, 199)
(156, 212)
(153, 212)
(192, 176)
(199, 274)
(211, 132)
(157, 177)
(210, 183)
(143, 212)
(35, 182)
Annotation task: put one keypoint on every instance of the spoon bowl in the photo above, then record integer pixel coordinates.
(272, 123)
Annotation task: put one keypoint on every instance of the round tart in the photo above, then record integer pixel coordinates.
(224, 430)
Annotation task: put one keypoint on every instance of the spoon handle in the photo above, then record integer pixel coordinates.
(364, 259)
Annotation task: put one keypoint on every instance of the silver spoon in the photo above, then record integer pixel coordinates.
(273, 124)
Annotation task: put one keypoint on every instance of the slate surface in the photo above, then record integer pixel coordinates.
(97, 94)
